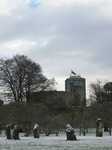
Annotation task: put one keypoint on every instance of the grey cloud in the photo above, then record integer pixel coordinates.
(77, 37)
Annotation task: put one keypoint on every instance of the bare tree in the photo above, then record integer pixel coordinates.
(96, 90)
(21, 76)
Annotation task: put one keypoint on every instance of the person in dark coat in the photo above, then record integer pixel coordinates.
(70, 133)
(16, 133)
(47, 132)
(99, 127)
(8, 132)
(36, 131)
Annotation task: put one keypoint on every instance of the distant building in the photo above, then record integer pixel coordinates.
(76, 84)
(105, 95)
(74, 94)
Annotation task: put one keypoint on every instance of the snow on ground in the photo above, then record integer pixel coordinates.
(57, 143)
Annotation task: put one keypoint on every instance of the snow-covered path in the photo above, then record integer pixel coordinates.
(57, 143)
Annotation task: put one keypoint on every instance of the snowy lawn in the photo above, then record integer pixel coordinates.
(57, 143)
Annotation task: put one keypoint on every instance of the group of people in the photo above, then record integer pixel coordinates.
(12, 132)
(70, 133)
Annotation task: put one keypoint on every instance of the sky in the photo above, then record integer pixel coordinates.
(60, 35)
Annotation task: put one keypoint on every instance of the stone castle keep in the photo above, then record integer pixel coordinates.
(75, 92)
(76, 84)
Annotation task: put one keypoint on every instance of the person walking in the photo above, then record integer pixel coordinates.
(70, 133)
(99, 127)
(16, 133)
(8, 132)
(36, 133)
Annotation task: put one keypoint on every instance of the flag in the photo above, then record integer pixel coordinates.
(72, 72)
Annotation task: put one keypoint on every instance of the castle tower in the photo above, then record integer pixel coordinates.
(76, 83)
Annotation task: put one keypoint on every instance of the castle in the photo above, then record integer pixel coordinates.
(76, 84)
(75, 92)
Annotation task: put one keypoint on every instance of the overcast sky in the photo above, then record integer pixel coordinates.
(60, 35)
